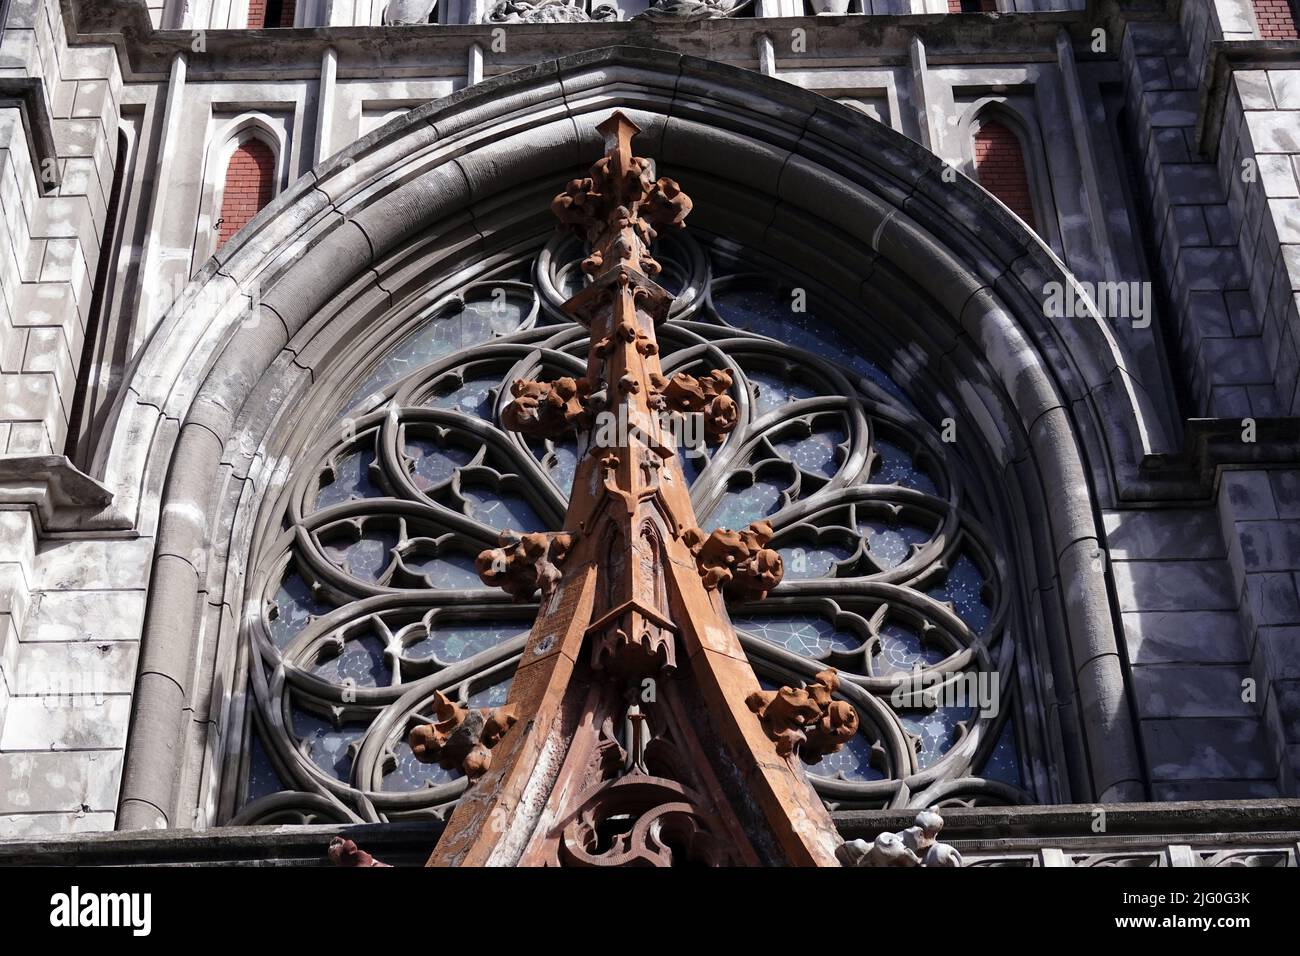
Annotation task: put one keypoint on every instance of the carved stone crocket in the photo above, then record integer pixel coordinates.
(461, 738)
(806, 720)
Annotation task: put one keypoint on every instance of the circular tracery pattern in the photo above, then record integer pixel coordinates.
(369, 601)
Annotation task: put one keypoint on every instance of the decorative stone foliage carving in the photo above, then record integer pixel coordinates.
(918, 845)
(461, 738)
(806, 720)
(524, 564)
(706, 396)
(738, 561)
(547, 409)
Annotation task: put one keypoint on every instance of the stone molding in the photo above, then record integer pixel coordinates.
(62, 498)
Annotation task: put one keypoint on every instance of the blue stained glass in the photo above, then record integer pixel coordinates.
(893, 466)
(294, 608)
(962, 587)
(476, 324)
(361, 664)
(501, 510)
(262, 778)
(936, 729)
(412, 773)
(326, 746)
(459, 642)
(763, 311)
(1004, 762)
(493, 696)
(451, 570)
(901, 651)
(891, 545)
(774, 391)
(692, 465)
(817, 454)
(560, 461)
(473, 398)
(736, 509)
(351, 480)
(804, 634)
(434, 464)
(801, 562)
(852, 762)
(366, 558)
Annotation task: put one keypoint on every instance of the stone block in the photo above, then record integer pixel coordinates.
(1174, 586)
(1207, 748)
(1174, 690)
(51, 668)
(1173, 637)
(71, 782)
(1174, 533)
(65, 723)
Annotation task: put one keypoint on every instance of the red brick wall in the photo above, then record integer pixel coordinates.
(250, 182)
(257, 18)
(1275, 20)
(1000, 167)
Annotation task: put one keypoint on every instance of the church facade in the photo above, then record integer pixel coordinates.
(903, 419)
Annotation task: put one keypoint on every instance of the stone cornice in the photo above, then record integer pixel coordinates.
(145, 53)
(63, 499)
(1212, 444)
(980, 833)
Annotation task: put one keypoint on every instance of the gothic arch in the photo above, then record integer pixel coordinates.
(339, 254)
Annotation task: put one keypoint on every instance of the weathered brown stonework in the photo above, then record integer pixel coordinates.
(806, 720)
(461, 738)
(631, 689)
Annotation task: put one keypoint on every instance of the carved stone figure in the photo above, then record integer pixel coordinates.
(806, 720)
(343, 852)
(547, 11)
(705, 395)
(737, 561)
(461, 739)
(409, 12)
(524, 563)
(690, 9)
(918, 845)
(547, 409)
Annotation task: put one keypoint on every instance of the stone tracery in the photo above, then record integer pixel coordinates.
(889, 580)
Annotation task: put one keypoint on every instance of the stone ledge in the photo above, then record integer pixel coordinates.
(62, 498)
(28, 95)
(1040, 836)
(1226, 58)
(1210, 444)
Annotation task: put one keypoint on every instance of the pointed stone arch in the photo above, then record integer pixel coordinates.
(958, 283)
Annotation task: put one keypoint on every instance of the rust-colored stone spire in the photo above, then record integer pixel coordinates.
(635, 731)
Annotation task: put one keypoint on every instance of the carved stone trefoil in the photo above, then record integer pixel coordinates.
(806, 720)
(525, 564)
(918, 845)
(461, 738)
(547, 409)
(737, 561)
